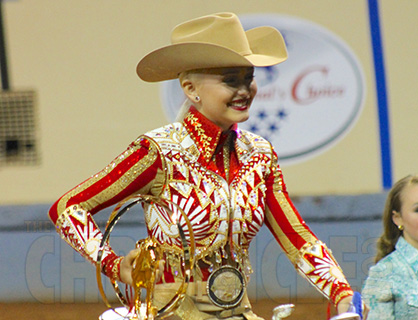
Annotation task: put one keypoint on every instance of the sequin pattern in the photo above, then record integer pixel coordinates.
(321, 269)
(80, 231)
(212, 205)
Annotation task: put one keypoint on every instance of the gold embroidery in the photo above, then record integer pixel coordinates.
(319, 267)
(342, 295)
(213, 198)
(204, 144)
(291, 251)
(115, 187)
(116, 268)
(227, 155)
(292, 218)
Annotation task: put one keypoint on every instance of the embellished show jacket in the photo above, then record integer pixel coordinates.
(228, 184)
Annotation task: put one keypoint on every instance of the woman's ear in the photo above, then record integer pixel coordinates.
(397, 218)
(189, 88)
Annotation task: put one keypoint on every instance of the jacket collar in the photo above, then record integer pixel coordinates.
(409, 253)
(205, 133)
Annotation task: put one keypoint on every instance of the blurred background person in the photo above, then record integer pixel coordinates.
(391, 288)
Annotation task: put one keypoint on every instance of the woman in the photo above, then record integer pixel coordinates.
(391, 289)
(227, 180)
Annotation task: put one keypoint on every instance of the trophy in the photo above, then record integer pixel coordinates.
(354, 312)
(282, 311)
(146, 266)
(285, 310)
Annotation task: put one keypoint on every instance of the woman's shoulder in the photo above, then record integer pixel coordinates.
(252, 138)
(247, 133)
(379, 281)
(171, 133)
(385, 263)
(391, 267)
(165, 130)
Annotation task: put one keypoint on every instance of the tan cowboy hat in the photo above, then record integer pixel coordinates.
(213, 41)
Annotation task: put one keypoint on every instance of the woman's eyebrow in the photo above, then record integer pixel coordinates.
(236, 73)
(230, 72)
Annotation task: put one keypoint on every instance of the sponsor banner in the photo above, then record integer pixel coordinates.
(306, 104)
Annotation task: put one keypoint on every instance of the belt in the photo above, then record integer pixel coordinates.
(196, 291)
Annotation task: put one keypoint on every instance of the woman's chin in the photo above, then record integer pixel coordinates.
(243, 117)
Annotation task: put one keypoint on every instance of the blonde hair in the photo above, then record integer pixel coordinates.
(391, 233)
(184, 109)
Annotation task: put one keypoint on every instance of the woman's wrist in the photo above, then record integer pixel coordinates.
(111, 266)
(344, 304)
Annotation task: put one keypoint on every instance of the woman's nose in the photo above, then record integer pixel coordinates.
(244, 88)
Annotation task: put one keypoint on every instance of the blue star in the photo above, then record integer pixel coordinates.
(253, 128)
(262, 114)
(273, 127)
(282, 114)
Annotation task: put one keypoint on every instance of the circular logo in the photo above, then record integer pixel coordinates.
(306, 104)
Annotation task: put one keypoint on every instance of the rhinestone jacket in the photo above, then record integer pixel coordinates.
(229, 185)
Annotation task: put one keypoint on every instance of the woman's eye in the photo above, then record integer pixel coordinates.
(249, 79)
(230, 81)
(235, 82)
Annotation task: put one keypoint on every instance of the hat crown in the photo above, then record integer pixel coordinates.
(222, 29)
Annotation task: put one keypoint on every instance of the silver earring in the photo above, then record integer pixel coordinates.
(197, 98)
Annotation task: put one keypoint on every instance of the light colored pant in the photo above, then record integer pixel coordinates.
(197, 306)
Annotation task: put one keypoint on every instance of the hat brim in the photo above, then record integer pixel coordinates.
(266, 43)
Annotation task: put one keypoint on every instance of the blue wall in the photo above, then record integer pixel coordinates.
(40, 267)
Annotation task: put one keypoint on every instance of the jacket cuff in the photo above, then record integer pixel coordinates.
(319, 267)
(77, 227)
(111, 266)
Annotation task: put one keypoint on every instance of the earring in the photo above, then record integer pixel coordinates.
(197, 98)
(400, 228)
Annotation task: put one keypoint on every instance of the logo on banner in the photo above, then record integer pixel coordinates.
(306, 104)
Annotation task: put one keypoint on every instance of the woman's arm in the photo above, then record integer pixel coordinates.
(377, 293)
(310, 257)
(133, 171)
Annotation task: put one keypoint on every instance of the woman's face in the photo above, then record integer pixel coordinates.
(225, 94)
(408, 217)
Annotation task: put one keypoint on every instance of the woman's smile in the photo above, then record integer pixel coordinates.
(239, 105)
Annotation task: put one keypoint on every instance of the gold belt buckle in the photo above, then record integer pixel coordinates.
(225, 287)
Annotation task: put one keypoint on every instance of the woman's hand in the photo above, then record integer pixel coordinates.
(344, 304)
(126, 266)
(365, 311)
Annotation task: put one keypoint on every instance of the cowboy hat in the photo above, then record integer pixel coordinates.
(213, 41)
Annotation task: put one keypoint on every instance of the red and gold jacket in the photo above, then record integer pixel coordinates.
(228, 184)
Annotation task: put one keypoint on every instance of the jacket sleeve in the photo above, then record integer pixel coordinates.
(378, 293)
(310, 257)
(136, 170)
